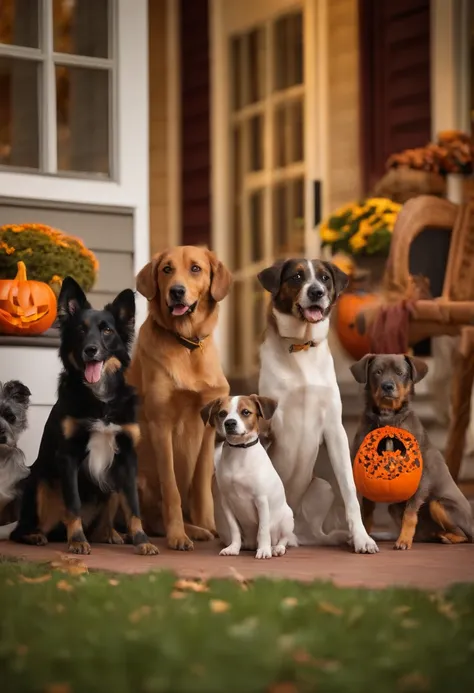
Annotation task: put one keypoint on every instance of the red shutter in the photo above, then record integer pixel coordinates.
(394, 80)
(195, 123)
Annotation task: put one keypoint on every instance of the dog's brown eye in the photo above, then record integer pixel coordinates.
(222, 414)
(81, 329)
(167, 269)
(297, 277)
(245, 412)
(378, 371)
(195, 268)
(399, 372)
(325, 278)
(107, 331)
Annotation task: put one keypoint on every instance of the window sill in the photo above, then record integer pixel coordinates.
(50, 338)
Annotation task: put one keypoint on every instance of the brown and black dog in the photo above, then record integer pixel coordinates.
(438, 508)
(176, 371)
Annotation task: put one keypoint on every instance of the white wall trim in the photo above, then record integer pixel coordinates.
(449, 65)
(174, 121)
(133, 151)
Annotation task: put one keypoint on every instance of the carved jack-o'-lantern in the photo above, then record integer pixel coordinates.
(388, 465)
(26, 307)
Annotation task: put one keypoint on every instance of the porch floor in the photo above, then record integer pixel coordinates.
(427, 566)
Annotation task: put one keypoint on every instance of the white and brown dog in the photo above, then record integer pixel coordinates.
(297, 370)
(250, 507)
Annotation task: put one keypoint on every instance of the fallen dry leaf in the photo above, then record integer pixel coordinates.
(448, 610)
(414, 682)
(302, 657)
(70, 565)
(35, 580)
(328, 608)
(177, 595)
(239, 578)
(403, 609)
(355, 614)
(191, 586)
(65, 586)
(58, 688)
(218, 606)
(283, 687)
(139, 613)
(290, 602)
(328, 665)
(114, 582)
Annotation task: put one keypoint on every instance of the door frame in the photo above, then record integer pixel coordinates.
(315, 141)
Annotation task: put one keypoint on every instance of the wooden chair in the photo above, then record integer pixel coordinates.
(432, 239)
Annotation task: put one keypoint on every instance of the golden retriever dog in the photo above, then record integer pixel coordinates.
(176, 370)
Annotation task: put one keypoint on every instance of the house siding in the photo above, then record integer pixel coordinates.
(344, 171)
(158, 124)
(395, 78)
(195, 123)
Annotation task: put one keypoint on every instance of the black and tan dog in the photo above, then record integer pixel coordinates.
(438, 509)
(87, 466)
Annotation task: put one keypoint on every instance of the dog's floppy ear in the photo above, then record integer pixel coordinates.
(71, 299)
(221, 278)
(339, 278)
(15, 390)
(418, 368)
(146, 282)
(270, 278)
(123, 310)
(265, 405)
(209, 411)
(360, 369)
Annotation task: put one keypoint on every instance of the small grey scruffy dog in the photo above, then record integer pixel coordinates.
(14, 403)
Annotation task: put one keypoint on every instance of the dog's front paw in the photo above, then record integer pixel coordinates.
(364, 544)
(147, 549)
(231, 550)
(180, 542)
(82, 547)
(278, 550)
(264, 552)
(402, 544)
(115, 538)
(36, 539)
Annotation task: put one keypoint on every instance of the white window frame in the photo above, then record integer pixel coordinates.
(48, 58)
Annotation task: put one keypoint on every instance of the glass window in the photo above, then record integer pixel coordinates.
(288, 50)
(19, 118)
(19, 23)
(78, 47)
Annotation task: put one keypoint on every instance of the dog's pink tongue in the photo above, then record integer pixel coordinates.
(313, 314)
(179, 309)
(93, 371)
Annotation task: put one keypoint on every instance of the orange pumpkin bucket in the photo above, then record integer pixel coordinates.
(388, 476)
(26, 306)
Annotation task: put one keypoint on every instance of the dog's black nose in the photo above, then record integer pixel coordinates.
(315, 292)
(3, 438)
(177, 292)
(388, 387)
(230, 425)
(91, 351)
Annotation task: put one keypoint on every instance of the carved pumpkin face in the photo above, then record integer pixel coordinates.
(26, 307)
(388, 476)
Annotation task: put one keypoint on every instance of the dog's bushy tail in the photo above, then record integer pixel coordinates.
(452, 517)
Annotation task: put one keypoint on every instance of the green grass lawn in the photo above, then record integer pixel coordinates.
(63, 632)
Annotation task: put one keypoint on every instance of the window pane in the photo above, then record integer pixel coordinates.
(81, 27)
(288, 49)
(256, 226)
(256, 65)
(256, 143)
(288, 218)
(19, 117)
(82, 109)
(280, 135)
(19, 23)
(296, 135)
